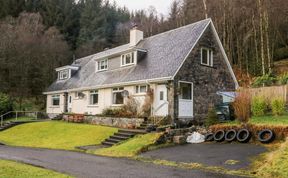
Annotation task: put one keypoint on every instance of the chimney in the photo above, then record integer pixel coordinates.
(135, 36)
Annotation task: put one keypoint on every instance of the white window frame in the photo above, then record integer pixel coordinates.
(62, 73)
(99, 65)
(209, 57)
(138, 89)
(184, 82)
(91, 93)
(132, 61)
(52, 100)
(117, 90)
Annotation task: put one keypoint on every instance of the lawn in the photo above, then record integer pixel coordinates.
(56, 135)
(130, 148)
(17, 170)
(266, 120)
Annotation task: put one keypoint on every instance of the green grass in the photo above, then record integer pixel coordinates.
(273, 164)
(56, 135)
(266, 120)
(9, 169)
(130, 148)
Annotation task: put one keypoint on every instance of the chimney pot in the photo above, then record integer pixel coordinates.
(135, 35)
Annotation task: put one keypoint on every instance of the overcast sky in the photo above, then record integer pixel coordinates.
(162, 6)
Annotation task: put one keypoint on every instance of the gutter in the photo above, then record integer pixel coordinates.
(156, 80)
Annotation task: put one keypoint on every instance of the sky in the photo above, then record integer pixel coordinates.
(162, 6)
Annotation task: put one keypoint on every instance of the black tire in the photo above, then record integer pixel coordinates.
(230, 135)
(209, 137)
(269, 139)
(243, 136)
(219, 136)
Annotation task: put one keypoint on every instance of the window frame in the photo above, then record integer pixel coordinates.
(114, 93)
(191, 92)
(210, 56)
(123, 59)
(138, 89)
(99, 65)
(91, 93)
(53, 97)
(62, 72)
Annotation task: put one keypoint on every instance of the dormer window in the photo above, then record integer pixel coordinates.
(64, 74)
(128, 59)
(102, 65)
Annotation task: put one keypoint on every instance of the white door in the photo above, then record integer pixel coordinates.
(161, 101)
(186, 100)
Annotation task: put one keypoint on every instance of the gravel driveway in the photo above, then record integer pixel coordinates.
(89, 166)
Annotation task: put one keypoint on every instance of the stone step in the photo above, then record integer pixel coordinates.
(132, 131)
(124, 134)
(120, 137)
(108, 143)
(113, 140)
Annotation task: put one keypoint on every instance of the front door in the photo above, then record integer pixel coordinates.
(186, 100)
(161, 103)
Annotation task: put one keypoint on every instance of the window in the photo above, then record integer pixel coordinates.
(141, 89)
(79, 95)
(128, 59)
(161, 95)
(207, 57)
(93, 97)
(56, 100)
(186, 91)
(64, 74)
(102, 65)
(117, 95)
(70, 99)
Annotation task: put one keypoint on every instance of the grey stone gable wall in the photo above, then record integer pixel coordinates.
(206, 80)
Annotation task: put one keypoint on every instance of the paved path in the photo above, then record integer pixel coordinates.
(212, 154)
(89, 166)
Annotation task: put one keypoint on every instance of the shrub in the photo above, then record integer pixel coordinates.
(211, 118)
(131, 107)
(111, 111)
(258, 106)
(278, 106)
(5, 104)
(283, 79)
(265, 80)
(242, 106)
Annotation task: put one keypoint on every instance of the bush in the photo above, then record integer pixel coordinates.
(278, 106)
(111, 111)
(283, 79)
(5, 104)
(211, 118)
(265, 80)
(258, 106)
(242, 106)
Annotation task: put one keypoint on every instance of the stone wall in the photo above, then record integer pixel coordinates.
(206, 80)
(114, 122)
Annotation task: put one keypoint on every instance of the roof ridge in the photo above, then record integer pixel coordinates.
(185, 26)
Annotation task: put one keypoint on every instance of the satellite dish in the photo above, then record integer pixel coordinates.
(125, 93)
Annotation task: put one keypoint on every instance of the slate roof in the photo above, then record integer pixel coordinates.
(165, 54)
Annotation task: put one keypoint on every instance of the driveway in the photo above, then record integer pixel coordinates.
(90, 166)
(211, 154)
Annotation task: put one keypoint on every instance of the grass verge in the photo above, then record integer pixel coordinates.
(131, 147)
(19, 170)
(269, 120)
(274, 163)
(56, 135)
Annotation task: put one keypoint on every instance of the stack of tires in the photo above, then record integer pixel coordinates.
(242, 136)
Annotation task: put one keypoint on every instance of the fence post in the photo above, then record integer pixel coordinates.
(1, 121)
(16, 115)
(36, 115)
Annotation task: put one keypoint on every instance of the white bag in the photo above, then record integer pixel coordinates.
(195, 138)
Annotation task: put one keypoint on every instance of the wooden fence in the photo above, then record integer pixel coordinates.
(271, 92)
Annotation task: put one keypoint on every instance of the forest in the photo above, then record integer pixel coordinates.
(36, 36)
